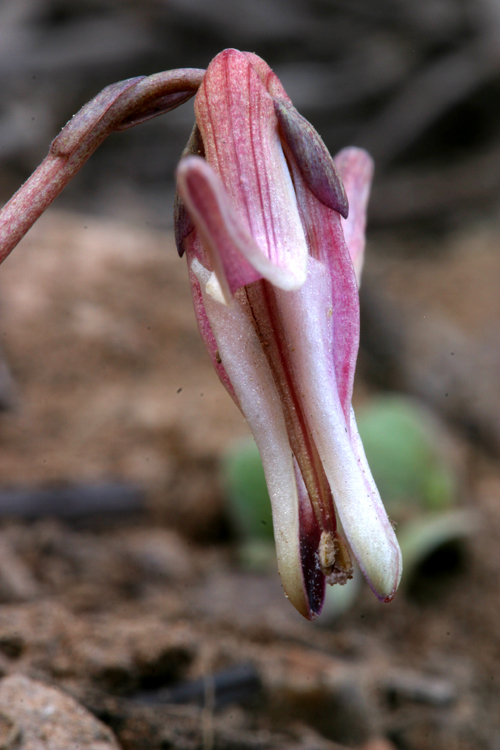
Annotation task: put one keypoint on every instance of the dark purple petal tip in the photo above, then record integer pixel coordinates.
(183, 224)
(314, 578)
(312, 574)
(313, 158)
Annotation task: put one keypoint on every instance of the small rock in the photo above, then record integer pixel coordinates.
(323, 692)
(378, 743)
(34, 716)
(420, 688)
(160, 553)
(16, 580)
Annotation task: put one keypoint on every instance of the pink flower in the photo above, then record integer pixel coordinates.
(276, 299)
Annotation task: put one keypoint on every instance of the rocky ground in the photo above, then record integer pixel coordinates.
(127, 620)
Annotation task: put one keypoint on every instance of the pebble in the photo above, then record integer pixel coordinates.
(34, 716)
(412, 686)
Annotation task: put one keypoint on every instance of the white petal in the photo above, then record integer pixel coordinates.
(241, 353)
(305, 314)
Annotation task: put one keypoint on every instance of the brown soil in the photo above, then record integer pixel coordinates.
(112, 383)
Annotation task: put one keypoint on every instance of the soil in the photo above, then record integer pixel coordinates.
(139, 628)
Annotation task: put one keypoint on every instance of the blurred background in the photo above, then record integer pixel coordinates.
(416, 85)
(136, 570)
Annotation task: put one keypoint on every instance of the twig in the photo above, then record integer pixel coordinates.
(72, 503)
(234, 685)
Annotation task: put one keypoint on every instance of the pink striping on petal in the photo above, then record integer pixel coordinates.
(268, 77)
(326, 240)
(355, 167)
(239, 128)
(235, 257)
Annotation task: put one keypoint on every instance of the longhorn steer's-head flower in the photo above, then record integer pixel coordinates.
(258, 214)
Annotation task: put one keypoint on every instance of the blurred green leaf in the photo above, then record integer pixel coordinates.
(249, 505)
(257, 555)
(405, 449)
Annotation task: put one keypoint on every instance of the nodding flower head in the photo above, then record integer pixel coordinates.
(273, 231)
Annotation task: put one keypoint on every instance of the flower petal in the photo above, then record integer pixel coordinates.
(242, 356)
(305, 314)
(318, 169)
(235, 256)
(225, 239)
(309, 542)
(236, 117)
(383, 578)
(355, 167)
(326, 241)
(268, 77)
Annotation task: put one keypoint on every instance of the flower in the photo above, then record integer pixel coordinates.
(258, 215)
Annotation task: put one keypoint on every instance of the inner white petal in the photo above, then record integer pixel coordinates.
(305, 315)
(241, 354)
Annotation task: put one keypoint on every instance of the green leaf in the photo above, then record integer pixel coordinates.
(407, 453)
(249, 506)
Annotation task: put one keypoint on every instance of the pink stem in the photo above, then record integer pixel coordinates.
(117, 107)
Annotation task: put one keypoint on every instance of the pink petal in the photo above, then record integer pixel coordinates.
(268, 77)
(327, 245)
(246, 365)
(234, 255)
(239, 128)
(356, 170)
(308, 329)
(225, 239)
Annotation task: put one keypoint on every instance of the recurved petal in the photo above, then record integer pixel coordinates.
(355, 167)
(236, 257)
(241, 353)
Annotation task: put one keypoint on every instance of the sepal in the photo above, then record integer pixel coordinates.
(312, 157)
